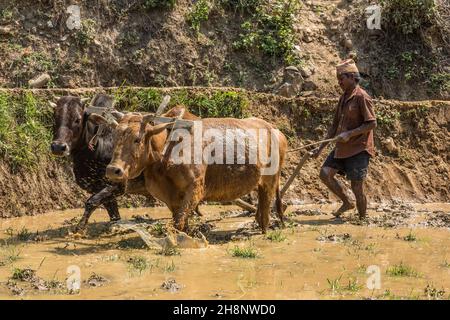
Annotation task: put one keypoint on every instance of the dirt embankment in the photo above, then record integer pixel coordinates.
(412, 142)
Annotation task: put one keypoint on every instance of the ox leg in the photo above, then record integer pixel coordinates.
(106, 195)
(265, 196)
(113, 210)
(188, 204)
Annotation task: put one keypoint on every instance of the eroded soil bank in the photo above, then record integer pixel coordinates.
(315, 256)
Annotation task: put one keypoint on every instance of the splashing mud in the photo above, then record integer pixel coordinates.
(314, 256)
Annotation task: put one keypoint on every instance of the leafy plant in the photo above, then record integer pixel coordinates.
(270, 30)
(86, 34)
(198, 14)
(408, 16)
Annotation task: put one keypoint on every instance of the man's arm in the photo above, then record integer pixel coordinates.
(365, 127)
(370, 121)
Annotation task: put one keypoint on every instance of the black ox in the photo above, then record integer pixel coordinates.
(91, 151)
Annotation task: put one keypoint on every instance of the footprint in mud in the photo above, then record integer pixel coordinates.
(29, 278)
(308, 212)
(334, 238)
(171, 285)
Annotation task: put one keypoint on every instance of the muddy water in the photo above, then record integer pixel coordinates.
(315, 260)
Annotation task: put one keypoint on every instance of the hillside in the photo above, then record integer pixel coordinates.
(245, 43)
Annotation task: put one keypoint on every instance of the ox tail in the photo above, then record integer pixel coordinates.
(279, 204)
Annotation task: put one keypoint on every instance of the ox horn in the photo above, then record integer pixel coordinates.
(56, 98)
(84, 100)
(163, 105)
(52, 104)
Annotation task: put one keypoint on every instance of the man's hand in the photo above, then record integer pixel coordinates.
(344, 136)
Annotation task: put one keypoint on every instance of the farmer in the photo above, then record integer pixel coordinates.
(353, 124)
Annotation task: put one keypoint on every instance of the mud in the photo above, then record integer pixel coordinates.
(315, 256)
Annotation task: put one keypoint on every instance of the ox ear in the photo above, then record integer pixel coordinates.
(97, 120)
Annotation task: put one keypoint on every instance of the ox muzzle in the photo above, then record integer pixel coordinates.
(115, 173)
(59, 149)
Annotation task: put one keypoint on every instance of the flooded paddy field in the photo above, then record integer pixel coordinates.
(314, 257)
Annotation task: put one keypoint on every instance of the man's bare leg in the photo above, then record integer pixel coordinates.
(327, 175)
(361, 200)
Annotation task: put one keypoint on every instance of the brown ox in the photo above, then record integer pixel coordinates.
(139, 148)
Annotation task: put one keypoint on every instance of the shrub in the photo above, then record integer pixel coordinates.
(408, 16)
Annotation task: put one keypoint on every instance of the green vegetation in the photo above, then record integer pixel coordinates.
(86, 34)
(410, 237)
(198, 14)
(138, 263)
(276, 236)
(24, 129)
(270, 30)
(215, 104)
(6, 15)
(244, 6)
(247, 253)
(336, 287)
(10, 254)
(408, 16)
(151, 4)
(402, 270)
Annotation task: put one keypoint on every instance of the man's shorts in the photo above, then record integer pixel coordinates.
(354, 167)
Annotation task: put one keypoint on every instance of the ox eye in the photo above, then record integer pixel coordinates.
(77, 121)
(137, 140)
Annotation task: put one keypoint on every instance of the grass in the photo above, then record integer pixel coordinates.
(336, 286)
(139, 264)
(410, 237)
(24, 129)
(402, 270)
(276, 236)
(10, 255)
(24, 234)
(246, 253)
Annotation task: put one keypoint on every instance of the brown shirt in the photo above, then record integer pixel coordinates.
(350, 114)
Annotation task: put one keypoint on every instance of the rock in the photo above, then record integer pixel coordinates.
(5, 30)
(305, 72)
(348, 44)
(40, 81)
(309, 86)
(287, 90)
(390, 145)
(50, 24)
(291, 68)
(171, 285)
